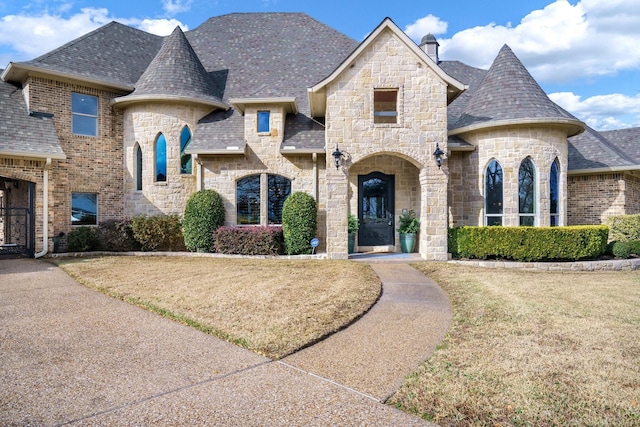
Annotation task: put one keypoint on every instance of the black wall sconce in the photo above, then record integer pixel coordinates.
(337, 157)
(438, 155)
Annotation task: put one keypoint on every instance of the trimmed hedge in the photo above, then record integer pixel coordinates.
(624, 249)
(116, 236)
(248, 240)
(624, 228)
(203, 214)
(83, 239)
(528, 243)
(158, 232)
(299, 220)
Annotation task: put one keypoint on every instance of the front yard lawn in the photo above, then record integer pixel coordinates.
(272, 307)
(532, 349)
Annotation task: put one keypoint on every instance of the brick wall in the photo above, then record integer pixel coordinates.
(93, 164)
(593, 198)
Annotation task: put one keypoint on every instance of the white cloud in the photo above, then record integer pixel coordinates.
(603, 112)
(560, 42)
(173, 7)
(161, 27)
(423, 26)
(32, 35)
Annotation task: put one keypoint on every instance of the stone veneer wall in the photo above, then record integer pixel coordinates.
(93, 164)
(509, 146)
(594, 198)
(262, 156)
(143, 123)
(422, 121)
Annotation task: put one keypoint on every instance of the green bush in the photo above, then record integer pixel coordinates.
(158, 232)
(635, 247)
(299, 220)
(83, 239)
(409, 223)
(529, 243)
(621, 249)
(116, 236)
(203, 214)
(248, 240)
(624, 228)
(353, 224)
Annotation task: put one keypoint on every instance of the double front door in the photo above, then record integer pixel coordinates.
(376, 209)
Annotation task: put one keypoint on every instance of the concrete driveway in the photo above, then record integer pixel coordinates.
(72, 356)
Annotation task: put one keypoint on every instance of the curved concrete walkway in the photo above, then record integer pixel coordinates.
(72, 356)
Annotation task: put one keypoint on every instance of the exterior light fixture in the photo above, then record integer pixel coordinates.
(337, 156)
(438, 155)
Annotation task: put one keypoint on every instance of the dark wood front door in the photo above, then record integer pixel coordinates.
(376, 206)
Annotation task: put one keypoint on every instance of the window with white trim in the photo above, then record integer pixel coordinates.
(493, 197)
(84, 209)
(84, 114)
(554, 194)
(527, 192)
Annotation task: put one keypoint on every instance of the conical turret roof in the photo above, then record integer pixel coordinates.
(509, 94)
(175, 73)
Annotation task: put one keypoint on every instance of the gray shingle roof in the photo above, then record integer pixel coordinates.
(508, 92)
(592, 150)
(114, 53)
(627, 140)
(22, 134)
(176, 71)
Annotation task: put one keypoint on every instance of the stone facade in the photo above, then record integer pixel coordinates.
(509, 146)
(403, 148)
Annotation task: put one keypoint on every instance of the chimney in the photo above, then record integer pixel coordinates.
(430, 46)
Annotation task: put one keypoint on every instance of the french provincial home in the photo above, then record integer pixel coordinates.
(120, 122)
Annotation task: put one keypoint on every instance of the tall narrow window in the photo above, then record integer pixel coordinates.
(385, 106)
(84, 114)
(185, 159)
(161, 159)
(493, 194)
(554, 197)
(279, 190)
(527, 192)
(138, 168)
(248, 200)
(264, 121)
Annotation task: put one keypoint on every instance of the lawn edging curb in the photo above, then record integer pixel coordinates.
(603, 265)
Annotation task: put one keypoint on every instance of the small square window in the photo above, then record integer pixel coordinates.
(84, 113)
(264, 124)
(385, 106)
(84, 209)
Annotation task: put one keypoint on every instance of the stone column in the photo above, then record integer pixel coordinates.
(433, 213)
(337, 209)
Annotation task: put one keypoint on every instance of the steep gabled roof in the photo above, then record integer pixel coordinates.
(25, 134)
(175, 73)
(592, 151)
(113, 55)
(627, 140)
(508, 95)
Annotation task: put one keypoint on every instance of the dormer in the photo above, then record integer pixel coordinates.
(264, 117)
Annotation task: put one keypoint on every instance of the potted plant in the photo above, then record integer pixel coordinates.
(408, 228)
(352, 228)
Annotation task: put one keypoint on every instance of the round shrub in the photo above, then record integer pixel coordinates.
(203, 214)
(83, 239)
(621, 250)
(299, 219)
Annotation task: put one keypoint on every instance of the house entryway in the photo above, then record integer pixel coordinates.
(17, 222)
(376, 207)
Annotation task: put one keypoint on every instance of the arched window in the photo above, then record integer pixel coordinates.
(185, 159)
(527, 192)
(161, 159)
(138, 168)
(554, 194)
(493, 194)
(248, 198)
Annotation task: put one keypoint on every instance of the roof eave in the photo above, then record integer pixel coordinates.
(288, 103)
(135, 99)
(592, 171)
(290, 149)
(573, 127)
(18, 72)
(31, 155)
(227, 151)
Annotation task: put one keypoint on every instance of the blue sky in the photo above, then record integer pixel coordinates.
(584, 53)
